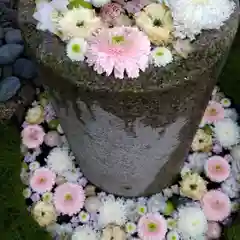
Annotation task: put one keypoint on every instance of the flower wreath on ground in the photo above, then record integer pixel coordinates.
(196, 207)
(103, 33)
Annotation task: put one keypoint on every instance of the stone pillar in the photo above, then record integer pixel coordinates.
(130, 137)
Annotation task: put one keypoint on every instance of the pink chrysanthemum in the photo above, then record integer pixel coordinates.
(214, 230)
(214, 112)
(116, 50)
(69, 198)
(32, 136)
(152, 226)
(216, 205)
(217, 169)
(42, 180)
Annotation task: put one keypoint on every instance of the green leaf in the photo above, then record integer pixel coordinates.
(79, 3)
(207, 129)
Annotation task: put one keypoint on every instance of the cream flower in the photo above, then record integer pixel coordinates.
(202, 141)
(44, 213)
(113, 232)
(76, 49)
(161, 56)
(35, 115)
(193, 186)
(78, 23)
(156, 22)
(112, 212)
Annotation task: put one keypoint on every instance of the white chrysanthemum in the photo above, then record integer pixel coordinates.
(156, 203)
(192, 16)
(161, 56)
(112, 211)
(47, 16)
(231, 113)
(76, 49)
(73, 176)
(197, 161)
(99, 3)
(59, 160)
(227, 132)
(231, 187)
(85, 233)
(191, 222)
(78, 23)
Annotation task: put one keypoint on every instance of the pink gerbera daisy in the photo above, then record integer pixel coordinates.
(152, 226)
(217, 169)
(214, 112)
(32, 136)
(69, 198)
(214, 230)
(42, 180)
(116, 50)
(216, 205)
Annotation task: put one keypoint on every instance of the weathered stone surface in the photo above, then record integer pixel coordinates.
(1, 33)
(129, 136)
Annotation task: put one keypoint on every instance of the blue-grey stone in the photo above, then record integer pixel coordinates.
(1, 42)
(1, 33)
(13, 36)
(8, 88)
(9, 53)
(7, 71)
(24, 68)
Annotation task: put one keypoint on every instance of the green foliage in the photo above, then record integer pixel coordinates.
(16, 223)
(79, 3)
(230, 78)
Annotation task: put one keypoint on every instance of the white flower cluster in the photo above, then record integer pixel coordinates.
(192, 16)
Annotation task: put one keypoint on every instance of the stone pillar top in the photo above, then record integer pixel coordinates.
(49, 50)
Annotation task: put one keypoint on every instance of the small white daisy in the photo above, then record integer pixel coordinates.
(173, 235)
(141, 209)
(76, 49)
(83, 217)
(226, 102)
(161, 56)
(47, 197)
(34, 166)
(171, 223)
(130, 228)
(27, 192)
